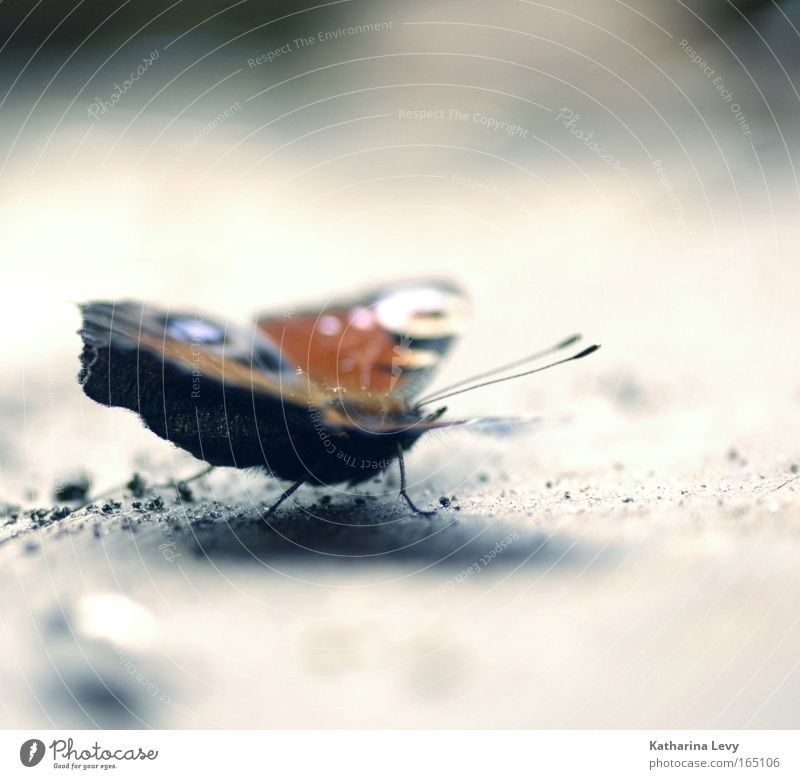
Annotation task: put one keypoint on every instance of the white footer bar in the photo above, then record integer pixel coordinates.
(390, 754)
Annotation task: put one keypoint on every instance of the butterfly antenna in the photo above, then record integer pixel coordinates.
(501, 368)
(580, 355)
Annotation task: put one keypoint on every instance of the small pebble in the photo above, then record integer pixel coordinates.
(137, 486)
(73, 489)
(444, 501)
(40, 517)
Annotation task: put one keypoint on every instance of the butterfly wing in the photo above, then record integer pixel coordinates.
(385, 344)
(193, 343)
(274, 395)
(500, 427)
(223, 393)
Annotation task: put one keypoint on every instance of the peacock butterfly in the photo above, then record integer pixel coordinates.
(321, 395)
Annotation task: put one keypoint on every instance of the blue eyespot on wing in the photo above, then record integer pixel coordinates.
(191, 343)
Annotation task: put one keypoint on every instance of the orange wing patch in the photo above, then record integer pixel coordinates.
(380, 349)
(341, 349)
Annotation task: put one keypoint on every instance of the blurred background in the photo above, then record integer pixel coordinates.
(624, 170)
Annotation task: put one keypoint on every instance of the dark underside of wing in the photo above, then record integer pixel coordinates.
(217, 408)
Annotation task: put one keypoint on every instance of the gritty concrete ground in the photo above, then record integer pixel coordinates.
(603, 593)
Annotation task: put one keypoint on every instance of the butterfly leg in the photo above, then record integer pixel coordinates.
(287, 494)
(403, 492)
(197, 476)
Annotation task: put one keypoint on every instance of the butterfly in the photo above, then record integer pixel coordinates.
(319, 395)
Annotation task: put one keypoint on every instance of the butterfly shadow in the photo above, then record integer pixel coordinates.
(377, 531)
